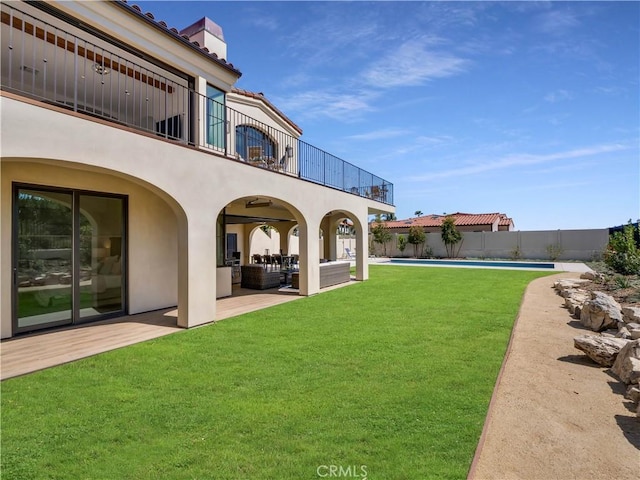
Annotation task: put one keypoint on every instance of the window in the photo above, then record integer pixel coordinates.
(252, 143)
(215, 117)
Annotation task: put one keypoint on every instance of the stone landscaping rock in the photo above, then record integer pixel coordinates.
(623, 332)
(567, 283)
(631, 314)
(627, 363)
(575, 299)
(601, 312)
(618, 345)
(591, 275)
(634, 330)
(633, 393)
(600, 349)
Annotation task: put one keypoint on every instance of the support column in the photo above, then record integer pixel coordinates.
(246, 243)
(309, 260)
(362, 249)
(329, 235)
(283, 230)
(196, 271)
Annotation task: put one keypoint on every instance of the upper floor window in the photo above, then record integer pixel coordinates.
(215, 117)
(252, 143)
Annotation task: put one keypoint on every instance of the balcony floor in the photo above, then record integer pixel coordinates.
(29, 353)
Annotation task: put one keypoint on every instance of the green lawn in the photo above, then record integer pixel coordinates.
(394, 374)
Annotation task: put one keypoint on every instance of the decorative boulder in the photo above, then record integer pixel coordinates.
(623, 332)
(634, 330)
(631, 314)
(627, 363)
(633, 393)
(602, 350)
(601, 312)
(574, 300)
(591, 275)
(567, 283)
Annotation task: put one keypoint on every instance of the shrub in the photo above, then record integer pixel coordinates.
(381, 235)
(622, 282)
(622, 254)
(450, 236)
(402, 243)
(554, 251)
(416, 237)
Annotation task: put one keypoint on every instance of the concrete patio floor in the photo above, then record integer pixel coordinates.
(31, 352)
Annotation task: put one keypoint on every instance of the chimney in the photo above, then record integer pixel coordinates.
(208, 34)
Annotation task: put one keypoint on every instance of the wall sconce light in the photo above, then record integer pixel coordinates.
(288, 151)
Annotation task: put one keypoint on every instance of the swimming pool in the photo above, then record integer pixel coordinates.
(473, 263)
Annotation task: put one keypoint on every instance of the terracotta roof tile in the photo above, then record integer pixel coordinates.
(176, 34)
(461, 219)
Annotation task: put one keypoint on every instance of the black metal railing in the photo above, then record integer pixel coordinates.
(50, 64)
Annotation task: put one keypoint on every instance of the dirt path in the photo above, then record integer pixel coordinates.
(554, 413)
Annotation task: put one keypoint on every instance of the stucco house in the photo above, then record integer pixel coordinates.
(132, 168)
(464, 222)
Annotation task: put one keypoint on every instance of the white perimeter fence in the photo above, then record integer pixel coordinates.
(585, 245)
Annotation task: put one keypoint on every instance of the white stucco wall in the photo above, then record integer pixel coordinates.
(194, 185)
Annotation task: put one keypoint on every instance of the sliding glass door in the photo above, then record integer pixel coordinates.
(69, 257)
(100, 257)
(43, 270)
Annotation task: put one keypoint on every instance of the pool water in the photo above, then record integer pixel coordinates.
(473, 263)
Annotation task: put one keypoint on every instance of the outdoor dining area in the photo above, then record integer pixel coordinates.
(375, 192)
(258, 158)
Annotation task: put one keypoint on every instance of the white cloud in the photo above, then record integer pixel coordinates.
(260, 20)
(517, 160)
(557, 22)
(414, 63)
(558, 96)
(339, 106)
(381, 134)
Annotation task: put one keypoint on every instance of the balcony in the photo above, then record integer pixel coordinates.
(64, 66)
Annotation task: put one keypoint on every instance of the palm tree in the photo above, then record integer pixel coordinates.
(418, 213)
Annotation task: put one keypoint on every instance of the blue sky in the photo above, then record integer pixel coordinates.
(526, 108)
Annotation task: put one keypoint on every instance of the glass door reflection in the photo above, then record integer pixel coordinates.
(43, 266)
(101, 255)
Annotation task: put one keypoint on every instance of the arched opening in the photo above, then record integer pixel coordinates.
(340, 239)
(260, 240)
(87, 248)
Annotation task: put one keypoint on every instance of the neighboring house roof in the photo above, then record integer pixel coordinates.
(461, 219)
(260, 96)
(148, 17)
